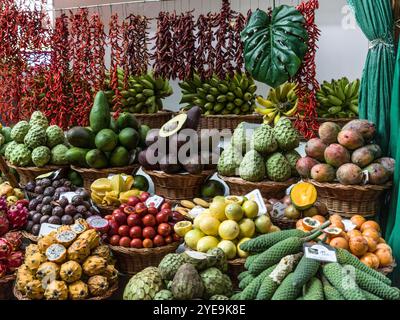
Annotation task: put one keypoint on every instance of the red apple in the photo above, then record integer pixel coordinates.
(141, 209)
(144, 196)
(117, 211)
(133, 201)
(164, 229)
(147, 243)
(114, 240)
(123, 206)
(108, 217)
(166, 205)
(113, 230)
(129, 210)
(149, 233)
(176, 238)
(123, 231)
(136, 243)
(152, 210)
(158, 241)
(135, 232)
(161, 217)
(168, 240)
(125, 242)
(120, 218)
(149, 220)
(134, 220)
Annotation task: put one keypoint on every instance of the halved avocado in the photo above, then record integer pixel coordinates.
(174, 125)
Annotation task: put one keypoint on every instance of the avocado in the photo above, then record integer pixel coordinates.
(193, 118)
(143, 131)
(152, 137)
(141, 183)
(193, 165)
(127, 120)
(174, 125)
(113, 125)
(143, 159)
(6, 132)
(75, 178)
(129, 138)
(212, 188)
(119, 157)
(96, 159)
(81, 137)
(106, 140)
(168, 167)
(77, 156)
(100, 116)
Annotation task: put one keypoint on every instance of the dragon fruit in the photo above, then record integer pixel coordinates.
(15, 238)
(17, 216)
(5, 248)
(3, 269)
(4, 224)
(3, 204)
(15, 260)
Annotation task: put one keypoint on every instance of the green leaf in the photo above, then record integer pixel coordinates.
(274, 47)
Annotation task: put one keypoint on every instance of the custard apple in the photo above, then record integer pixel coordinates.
(41, 156)
(10, 147)
(187, 283)
(240, 138)
(35, 137)
(229, 161)
(2, 140)
(164, 295)
(19, 131)
(292, 157)
(39, 119)
(252, 167)
(55, 136)
(199, 260)
(144, 285)
(218, 258)
(219, 297)
(58, 155)
(264, 141)
(216, 283)
(169, 265)
(20, 156)
(278, 168)
(287, 136)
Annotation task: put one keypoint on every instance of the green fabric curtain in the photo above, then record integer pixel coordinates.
(375, 19)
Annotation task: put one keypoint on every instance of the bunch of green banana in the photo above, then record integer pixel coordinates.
(338, 99)
(143, 95)
(281, 102)
(215, 96)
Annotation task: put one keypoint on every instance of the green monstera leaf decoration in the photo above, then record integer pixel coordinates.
(275, 46)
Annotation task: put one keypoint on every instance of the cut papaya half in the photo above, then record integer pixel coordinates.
(310, 223)
(333, 232)
(303, 195)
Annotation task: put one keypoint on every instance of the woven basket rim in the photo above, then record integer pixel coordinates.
(37, 169)
(163, 111)
(232, 116)
(341, 187)
(7, 278)
(265, 183)
(146, 251)
(29, 236)
(105, 170)
(237, 262)
(161, 174)
(108, 294)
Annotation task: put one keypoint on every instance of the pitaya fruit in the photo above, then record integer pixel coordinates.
(3, 204)
(4, 224)
(15, 238)
(14, 261)
(5, 248)
(3, 269)
(17, 216)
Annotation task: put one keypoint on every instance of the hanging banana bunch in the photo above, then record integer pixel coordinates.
(281, 102)
(338, 99)
(220, 97)
(143, 95)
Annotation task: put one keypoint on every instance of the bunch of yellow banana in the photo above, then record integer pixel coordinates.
(281, 102)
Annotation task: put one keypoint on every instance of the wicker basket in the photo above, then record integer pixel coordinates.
(389, 269)
(235, 267)
(283, 223)
(6, 285)
(268, 189)
(91, 175)
(131, 261)
(29, 236)
(107, 295)
(221, 122)
(178, 186)
(347, 200)
(154, 120)
(27, 174)
(106, 210)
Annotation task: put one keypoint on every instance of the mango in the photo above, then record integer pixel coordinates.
(349, 174)
(336, 155)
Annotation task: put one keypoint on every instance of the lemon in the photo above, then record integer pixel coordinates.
(247, 228)
(250, 209)
(233, 211)
(196, 221)
(229, 248)
(229, 230)
(234, 199)
(219, 198)
(206, 243)
(217, 210)
(240, 252)
(209, 225)
(192, 238)
(182, 227)
(274, 229)
(263, 224)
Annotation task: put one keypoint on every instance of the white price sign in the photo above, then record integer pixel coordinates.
(256, 196)
(320, 252)
(46, 228)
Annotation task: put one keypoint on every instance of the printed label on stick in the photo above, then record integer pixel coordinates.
(320, 252)
(256, 196)
(46, 228)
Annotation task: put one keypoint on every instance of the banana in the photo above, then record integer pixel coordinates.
(292, 111)
(187, 204)
(182, 211)
(201, 202)
(265, 103)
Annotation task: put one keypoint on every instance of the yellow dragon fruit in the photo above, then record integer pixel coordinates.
(23, 277)
(111, 274)
(34, 290)
(98, 285)
(92, 237)
(46, 241)
(31, 249)
(48, 271)
(34, 261)
(94, 265)
(79, 250)
(56, 253)
(103, 252)
(78, 290)
(56, 290)
(66, 238)
(80, 226)
(71, 271)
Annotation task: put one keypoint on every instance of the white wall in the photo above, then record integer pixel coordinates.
(341, 51)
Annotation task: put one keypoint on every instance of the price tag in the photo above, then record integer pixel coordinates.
(278, 209)
(348, 225)
(320, 252)
(68, 195)
(256, 196)
(196, 211)
(366, 177)
(156, 200)
(46, 228)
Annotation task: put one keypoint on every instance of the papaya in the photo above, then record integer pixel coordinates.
(100, 116)
(81, 137)
(96, 159)
(303, 195)
(77, 156)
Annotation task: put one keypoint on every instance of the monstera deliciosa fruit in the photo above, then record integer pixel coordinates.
(275, 45)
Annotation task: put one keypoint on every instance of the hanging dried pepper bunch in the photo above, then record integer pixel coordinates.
(205, 52)
(306, 77)
(163, 54)
(221, 49)
(97, 44)
(240, 23)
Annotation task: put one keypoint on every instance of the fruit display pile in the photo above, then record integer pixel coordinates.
(346, 155)
(69, 263)
(11, 194)
(143, 94)
(117, 189)
(338, 99)
(5, 138)
(51, 206)
(136, 225)
(272, 155)
(220, 97)
(13, 216)
(277, 270)
(11, 254)
(225, 223)
(281, 102)
(186, 276)
(107, 142)
(35, 143)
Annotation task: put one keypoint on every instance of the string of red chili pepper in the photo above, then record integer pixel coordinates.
(200, 51)
(221, 35)
(125, 57)
(231, 45)
(189, 47)
(98, 42)
(162, 55)
(240, 23)
(138, 55)
(176, 34)
(306, 77)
